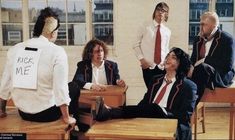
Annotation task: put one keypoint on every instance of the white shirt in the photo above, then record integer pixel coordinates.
(208, 44)
(98, 76)
(144, 46)
(163, 102)
(52, 79)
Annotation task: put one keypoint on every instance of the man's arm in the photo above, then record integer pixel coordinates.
(3, 108)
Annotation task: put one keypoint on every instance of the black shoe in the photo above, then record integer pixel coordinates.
(103, 113)
(211, 86)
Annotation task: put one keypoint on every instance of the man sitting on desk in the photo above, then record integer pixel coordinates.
(95, 71)
(169, 95)
(212, 56)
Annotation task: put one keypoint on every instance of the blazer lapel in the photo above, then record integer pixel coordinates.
(156, 85)
(215, 42)
(108, 72)
(174, 92)
(88, 72)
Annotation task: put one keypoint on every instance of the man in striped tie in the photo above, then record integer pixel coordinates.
(169, 95)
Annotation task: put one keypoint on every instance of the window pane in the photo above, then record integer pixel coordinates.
(76, 11)
(59, 6)
(77, 34)
(61, 38)
(11, 11)
(224, 8)
(12, 34)
(103, 20)
(196, 7)
(35, 6)
(76, 22)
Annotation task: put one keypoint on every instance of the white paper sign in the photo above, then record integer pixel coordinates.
(26, 69)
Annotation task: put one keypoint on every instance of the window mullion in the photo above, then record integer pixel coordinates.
(25, 20)
(89, 19)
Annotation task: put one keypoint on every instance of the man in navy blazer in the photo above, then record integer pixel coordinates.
(84, 72)
(94, 71)
(177, 101)
(212, 56)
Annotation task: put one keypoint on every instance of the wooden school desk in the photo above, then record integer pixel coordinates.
(14, 126)
(223, 95)
(136, 128)
(113, 95)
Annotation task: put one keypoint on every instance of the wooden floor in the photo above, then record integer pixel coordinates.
(217, 124)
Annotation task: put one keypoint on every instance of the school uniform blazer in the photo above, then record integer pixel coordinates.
(220, 57)
(180, 103)
(84, 72)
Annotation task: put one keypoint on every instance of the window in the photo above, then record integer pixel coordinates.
(11, 14)
(103, 20)
(224, 9)
(76, 28)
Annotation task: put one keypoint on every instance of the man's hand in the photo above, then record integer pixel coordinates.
(71, 123)
(144, 64)
(121, 83)
(97, 87)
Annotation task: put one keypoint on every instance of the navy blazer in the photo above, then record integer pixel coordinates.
(180, 103)
(84, 72)
(220, 57)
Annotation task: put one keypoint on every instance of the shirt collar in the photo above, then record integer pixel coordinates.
(155, 23)
(43, 38)
(172, 80)
(100, 67)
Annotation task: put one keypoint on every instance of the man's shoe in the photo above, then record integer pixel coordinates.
(102, 112)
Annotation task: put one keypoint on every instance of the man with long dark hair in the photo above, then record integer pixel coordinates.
(170, 95)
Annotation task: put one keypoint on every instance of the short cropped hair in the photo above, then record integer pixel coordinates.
(212, 16)
(88, 49)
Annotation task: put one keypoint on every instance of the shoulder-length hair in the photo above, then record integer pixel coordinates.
(164, 6)
(89, 47)
(184, 62)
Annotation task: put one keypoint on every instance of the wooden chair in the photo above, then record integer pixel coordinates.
(198, 116)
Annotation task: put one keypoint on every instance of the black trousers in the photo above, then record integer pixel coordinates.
(54, 113)
(203, 76)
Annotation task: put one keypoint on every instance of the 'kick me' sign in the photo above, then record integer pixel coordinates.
(25, 69)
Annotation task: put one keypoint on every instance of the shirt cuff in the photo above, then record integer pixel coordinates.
(87, 86)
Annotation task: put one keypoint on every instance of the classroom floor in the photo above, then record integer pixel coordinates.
(217, 124)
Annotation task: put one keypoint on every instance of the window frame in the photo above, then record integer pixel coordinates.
(88, 24)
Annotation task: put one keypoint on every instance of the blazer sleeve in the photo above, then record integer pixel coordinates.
(79, 76)
(115, 73)
(187, 104)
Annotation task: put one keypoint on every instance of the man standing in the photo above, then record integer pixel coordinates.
(152, 43)
(212, 56)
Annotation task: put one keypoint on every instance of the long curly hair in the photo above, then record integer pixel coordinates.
(88, 49)
(184, 62)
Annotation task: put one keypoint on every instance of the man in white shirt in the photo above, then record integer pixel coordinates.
(147, 39)
(47, 99)
(95, 71)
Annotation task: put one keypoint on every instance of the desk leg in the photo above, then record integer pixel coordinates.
(232, 122)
